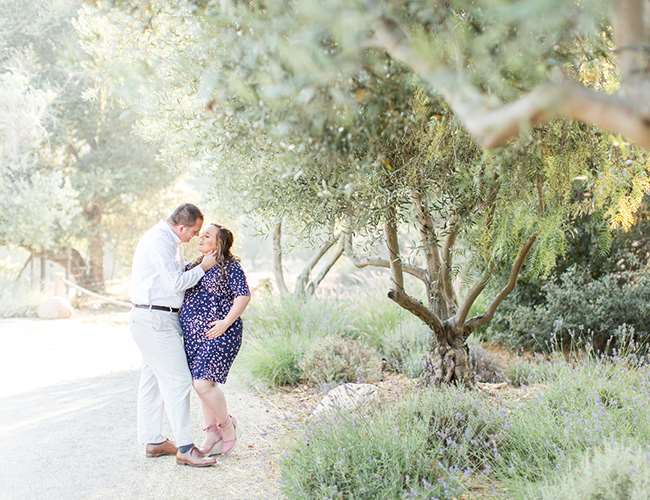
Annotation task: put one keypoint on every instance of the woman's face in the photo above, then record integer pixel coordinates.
(208, 240)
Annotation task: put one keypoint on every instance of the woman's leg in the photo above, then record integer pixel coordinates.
(215, 408)
(212, 432)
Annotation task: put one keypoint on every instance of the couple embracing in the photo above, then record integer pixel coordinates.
(186, 323)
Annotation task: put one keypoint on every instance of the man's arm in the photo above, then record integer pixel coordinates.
(164, 259)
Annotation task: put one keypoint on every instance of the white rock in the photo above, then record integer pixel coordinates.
(346, 397)
(55, 308)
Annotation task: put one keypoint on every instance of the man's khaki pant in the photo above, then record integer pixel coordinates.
(165, 377)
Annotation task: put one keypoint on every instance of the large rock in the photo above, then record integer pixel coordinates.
(345, 397)
(55, 308)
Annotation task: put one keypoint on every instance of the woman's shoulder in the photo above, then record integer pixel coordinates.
(234, 264)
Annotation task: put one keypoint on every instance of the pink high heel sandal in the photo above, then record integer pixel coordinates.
(205, 449)
(227, 445)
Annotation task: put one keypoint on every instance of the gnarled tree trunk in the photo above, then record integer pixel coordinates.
(448, 358)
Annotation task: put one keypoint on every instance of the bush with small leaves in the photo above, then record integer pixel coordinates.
(522, 372)
(612, 472)
(603, 314)
(422, 447)
(404, 348)
(338, 359)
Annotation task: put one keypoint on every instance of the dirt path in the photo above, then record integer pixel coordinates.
(68, 434)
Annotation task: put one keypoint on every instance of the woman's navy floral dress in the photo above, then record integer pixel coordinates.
(209, 300)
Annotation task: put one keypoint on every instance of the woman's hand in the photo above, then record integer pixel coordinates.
(218, 328)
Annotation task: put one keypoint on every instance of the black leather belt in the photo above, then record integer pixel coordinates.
(157, 308)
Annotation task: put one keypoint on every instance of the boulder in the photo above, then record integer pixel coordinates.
(345, 397)
(55, 308)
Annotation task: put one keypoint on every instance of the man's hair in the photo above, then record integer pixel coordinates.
(185, 215)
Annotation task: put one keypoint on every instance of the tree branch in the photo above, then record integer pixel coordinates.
(495, 126)
(417, 308)
(22, 269)
(303, 277)
(390, 231)
(313, 284)
(427, 234)
(473, 294)
(277, 259)
(417, 272)
(362, 262)
(509, 287)
(445, 275)
(629, 31)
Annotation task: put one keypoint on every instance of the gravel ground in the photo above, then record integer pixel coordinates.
(67, 421)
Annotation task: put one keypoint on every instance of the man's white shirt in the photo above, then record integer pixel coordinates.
(158, 275)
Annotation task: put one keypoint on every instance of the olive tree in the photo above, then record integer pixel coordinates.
(343, 135)
(502, 67)
(73, 171)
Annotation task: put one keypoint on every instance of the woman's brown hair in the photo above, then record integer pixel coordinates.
(223, 252)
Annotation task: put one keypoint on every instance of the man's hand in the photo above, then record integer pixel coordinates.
(208, 261)
(219, 327)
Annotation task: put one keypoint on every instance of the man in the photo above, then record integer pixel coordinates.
(159, 281)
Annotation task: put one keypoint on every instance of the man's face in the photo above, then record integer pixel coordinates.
(189, 232)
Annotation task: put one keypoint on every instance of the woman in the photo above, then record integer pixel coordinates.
(212, 331)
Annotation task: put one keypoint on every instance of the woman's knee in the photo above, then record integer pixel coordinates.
(202, 386)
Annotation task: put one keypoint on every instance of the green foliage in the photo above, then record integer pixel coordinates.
(615, 471)
(605, 313)
(405, 346)
(339, 359)
(73, 172)
(36, 200)
(521, 372)
(274, 360)
(290, 114)
(290, 340)
(585, 431)
(385, 455)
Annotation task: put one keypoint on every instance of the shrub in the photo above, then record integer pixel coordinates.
(274, 359)
(605, 313)
(280, 330)
(338, 359)
(419, 448)
(404, 348)
(437, 442)
(611, 472)
(522, 372)
(581, 408)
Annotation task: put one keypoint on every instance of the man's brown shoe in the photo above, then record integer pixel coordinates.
(167, 447)
(194, 458)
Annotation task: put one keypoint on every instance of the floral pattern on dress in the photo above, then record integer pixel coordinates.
(210, 300)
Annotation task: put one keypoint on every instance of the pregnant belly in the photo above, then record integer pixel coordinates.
(200, 320)
(196, 323)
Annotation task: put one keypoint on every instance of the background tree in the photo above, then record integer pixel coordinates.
(36, 200)
(82, 167)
